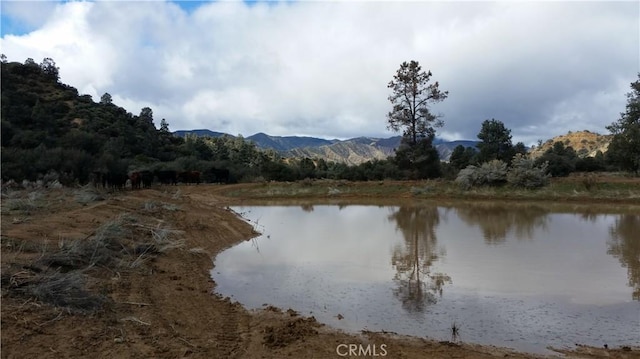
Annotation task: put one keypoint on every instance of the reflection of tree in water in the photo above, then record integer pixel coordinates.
(416, 285)
(307, 207)
(625, 245)
(496, 219)
(590, 214)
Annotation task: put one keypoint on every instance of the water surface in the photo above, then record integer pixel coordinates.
(520, 276)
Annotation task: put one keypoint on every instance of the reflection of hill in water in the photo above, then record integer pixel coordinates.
(625, 245)
(497, 219)
(417, 286)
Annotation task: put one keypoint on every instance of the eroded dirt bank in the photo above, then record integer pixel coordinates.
(162, 305)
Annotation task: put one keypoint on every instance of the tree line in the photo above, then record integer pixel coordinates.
(495, 155)
(50, 131)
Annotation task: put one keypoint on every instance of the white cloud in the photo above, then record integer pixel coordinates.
(321, 68)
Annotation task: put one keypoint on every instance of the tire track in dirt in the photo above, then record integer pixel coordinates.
(207, 226)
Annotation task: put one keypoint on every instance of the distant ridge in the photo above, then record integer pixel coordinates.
(352, 151)
(286, 143)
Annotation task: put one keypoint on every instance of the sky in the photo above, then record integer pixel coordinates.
(321, 68)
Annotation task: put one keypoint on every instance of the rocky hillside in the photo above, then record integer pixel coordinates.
(361, 149)
(351, 152)
(586, 143)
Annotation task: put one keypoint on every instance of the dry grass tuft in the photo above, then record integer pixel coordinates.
(22, 201)
(105, 248)
(58, 276)
(88, 194)
(65, 290)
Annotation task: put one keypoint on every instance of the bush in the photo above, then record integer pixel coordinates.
(524, 173)
(466, 177)
(589, 182)
(492, 173)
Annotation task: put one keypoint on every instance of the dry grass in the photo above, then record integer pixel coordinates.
(23, 202)
(59, 275)
(151, 206)
(66, 290)
(88, 194)
(161, 240)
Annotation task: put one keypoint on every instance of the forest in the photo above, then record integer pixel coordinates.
(51, 132)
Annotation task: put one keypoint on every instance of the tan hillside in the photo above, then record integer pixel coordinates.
(344, 152)
(586, 143)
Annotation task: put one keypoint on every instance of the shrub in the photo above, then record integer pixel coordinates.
(492, 173)
(466, 177)
(524, 173)
(589, 181)
(88, 194)
(307, 182)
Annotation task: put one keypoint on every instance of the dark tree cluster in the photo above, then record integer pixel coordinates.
(624, 150)
(51, 131)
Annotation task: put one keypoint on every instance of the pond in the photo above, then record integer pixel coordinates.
(520, 276)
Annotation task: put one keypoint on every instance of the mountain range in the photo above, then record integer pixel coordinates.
(352, 151)
(357, 150)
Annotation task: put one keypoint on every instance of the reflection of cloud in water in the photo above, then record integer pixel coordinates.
(417, 286)
(625, 245)
(386, 268)
(497, 219)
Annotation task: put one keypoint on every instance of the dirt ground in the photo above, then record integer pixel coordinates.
(165, 306)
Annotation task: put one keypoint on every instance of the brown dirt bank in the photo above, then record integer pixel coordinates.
(164, 306)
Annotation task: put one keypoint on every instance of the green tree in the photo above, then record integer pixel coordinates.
(164, 126)
(495, 142)
(106, 99)
(146, 118)
(562, 160)
(49, 68)
(624, 149)
(307, 168)
(30, 62)
(411, 97)
(412, 94)
(461, 157)
(519, 148)
(420, 160)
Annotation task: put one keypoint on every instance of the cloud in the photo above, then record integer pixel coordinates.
(322, 68)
